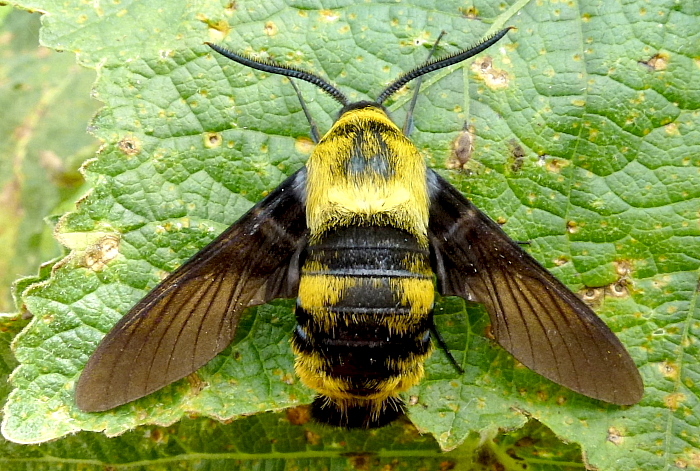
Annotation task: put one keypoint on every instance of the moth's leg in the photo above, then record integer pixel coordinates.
(312, 124)
(443, 347)
(408, 125)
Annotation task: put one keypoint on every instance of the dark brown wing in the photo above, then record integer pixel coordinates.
(192, 315)
(533, 316)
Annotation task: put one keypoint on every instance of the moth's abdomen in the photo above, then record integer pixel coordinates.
(364, 315)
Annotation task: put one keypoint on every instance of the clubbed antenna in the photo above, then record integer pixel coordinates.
(438, 64)
(287, 71)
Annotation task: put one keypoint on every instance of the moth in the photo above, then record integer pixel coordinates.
(361, 236)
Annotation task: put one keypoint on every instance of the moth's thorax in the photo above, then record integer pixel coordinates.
(366, 172)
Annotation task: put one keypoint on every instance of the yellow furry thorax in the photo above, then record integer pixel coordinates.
(364, 171)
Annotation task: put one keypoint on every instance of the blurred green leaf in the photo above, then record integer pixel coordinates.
(586, 144)
(45, 107)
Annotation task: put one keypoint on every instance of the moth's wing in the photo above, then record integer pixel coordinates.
(533, 316)
(192, 315)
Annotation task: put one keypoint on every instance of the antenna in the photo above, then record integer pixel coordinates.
(285, 70)
(437, 64)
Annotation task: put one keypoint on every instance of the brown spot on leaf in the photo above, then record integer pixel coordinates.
(129, 145)
(469, 12)
(669, 370)
(447, 465)
(656, 62)
(494, 78)
(299, 415)
(555, 165)
(593, 296)
(488, 460)
(101, 252)
(614, 436)
(623, 267)
(462, 148)
(156, 435)
(360, 461)
(525, 442)
(517, 155)
(212, 140)
(231, 7)
(288, 378)
(196, 384)
(618, 289)
(219, 28)
(673, 400)
(559, 261)
(311, 437)
(270, 29)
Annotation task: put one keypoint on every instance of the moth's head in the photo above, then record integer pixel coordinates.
(340, 97)
(360, 105)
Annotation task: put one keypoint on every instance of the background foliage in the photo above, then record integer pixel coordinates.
(585, 124)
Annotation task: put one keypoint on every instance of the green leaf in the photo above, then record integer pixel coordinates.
(270, 441)
(585, 123)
